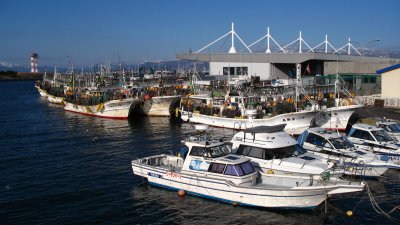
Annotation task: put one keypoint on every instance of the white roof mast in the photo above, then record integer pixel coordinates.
(268, 36)
(233, 49)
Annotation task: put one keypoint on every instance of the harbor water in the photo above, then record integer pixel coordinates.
(58, 167)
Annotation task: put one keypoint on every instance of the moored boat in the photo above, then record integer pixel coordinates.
(275, 151)
(209, 170)
(237, 112)
(376, 140)
(336, 148)
(101, 104)
(391, 127)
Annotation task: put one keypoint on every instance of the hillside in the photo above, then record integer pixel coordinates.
(13, 75)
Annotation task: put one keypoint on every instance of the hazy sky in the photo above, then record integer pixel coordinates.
(91, 32)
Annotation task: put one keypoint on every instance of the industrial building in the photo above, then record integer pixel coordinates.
(322, 60)
(390, 81)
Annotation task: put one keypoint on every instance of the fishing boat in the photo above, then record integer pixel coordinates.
(104, 104)
(41, 91)
(336, 148)
(376, 140)
(239, 112)
(336, 118)
(209, 170)
(52, 89)
(160, 100)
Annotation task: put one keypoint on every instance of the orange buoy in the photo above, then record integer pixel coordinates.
(181, 193)
(235, 204)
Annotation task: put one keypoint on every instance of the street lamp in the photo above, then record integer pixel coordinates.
(364, 46)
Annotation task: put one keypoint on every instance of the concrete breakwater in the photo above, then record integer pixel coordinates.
(377, 100)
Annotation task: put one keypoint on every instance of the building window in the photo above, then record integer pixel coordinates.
(372, 80)
(235, 70)
(232, 71)
(365, 79)
(226, 69)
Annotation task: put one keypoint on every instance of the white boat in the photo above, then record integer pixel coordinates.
(55, 99)
(391, 127)
(162, 105)
(376, 140)
(209, 170)
(159, 101)
(114, 109)
(43, 93)
(51, 98)
(234, 114)
(334, 147)
(336, 118)
(274, 151)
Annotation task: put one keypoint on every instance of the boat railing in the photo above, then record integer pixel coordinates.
(255, 141)
(166, 160)
(239, 125)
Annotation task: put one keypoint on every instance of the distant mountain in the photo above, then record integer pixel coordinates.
(7, 66)
(172, 65)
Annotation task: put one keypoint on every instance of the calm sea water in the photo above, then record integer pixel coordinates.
(58, 167)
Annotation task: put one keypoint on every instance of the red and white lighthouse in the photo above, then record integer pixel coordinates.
(34, 62)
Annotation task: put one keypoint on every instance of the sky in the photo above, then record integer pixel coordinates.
(101, 31)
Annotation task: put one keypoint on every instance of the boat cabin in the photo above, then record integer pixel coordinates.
(320, 140)
(369, 134)
(264, 142)
(393, 128)
(205, 155)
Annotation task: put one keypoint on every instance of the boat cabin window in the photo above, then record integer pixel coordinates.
(267, 154)
(240, 169)
(362, 135)
(395, 128)
(381, 136)
(316, 140)
(341, 143)
(220, 150)
(216, 168)
(210, 152)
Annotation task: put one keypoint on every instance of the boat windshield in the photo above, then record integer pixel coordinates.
(395, 128)
(268, 154)
(341, 143)
(241, 169)
(381, 136)
(219, 151)
(210, 152)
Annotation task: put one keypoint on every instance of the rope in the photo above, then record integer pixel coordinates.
(377, 208)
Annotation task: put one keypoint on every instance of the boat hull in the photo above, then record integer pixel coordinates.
(163, 105)
(336, 118)
(297, 122)
(115, 109)
(223, 191)
(55, 99)
(42, 92)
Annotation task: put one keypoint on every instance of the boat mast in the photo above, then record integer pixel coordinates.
(336, 81)
(54, 76)
(298, 77)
